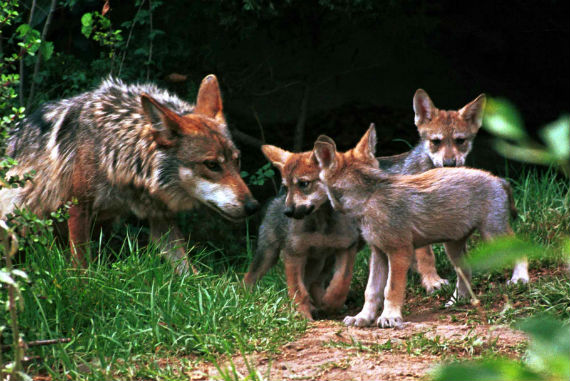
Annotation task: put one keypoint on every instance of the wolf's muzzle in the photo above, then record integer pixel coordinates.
(251, 206)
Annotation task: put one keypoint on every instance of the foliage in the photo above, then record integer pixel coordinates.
(260, 176)
(548, 357)
(503, 119)
(98, 27)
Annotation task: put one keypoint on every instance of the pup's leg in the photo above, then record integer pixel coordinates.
(317, 272)
(455, 251)
(265, 257)
(294, 273)
(374, 294)
(169, 238)
(395, 290)
(337, 290)
(426, 267)
(520, 272)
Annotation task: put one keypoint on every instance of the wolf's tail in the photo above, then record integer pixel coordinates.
(507, 187)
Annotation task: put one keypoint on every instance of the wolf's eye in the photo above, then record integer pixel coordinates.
(436, 142)
(213, 165)
(459, 141)
(303, 184)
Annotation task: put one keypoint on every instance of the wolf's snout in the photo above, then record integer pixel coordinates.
(251, 206)
(449, 162)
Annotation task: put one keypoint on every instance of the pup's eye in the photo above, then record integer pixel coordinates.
(213, 165)
(436, 142)
(303, 184)
(459, 141)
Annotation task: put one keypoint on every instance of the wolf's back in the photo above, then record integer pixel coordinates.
(106, 125)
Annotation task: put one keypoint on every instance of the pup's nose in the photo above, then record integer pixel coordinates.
(251, 206)
(289, 211)
(449, 162)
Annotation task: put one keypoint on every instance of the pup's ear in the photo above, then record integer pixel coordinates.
(322, 139)
(473, 111)
(277, 156)
(326, 139)
(325, 153)
(366, 147)
(209, 99)
(165, 122)
(423, 107)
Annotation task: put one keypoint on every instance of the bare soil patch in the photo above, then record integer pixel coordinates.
(331, 351)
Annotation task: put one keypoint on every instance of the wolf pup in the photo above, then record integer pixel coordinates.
(129, 148)
(446, 138)
(323, 243)
(395, 216)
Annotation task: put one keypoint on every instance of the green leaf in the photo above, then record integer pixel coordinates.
(487, 370)
(549, 350)
(502, 252)
(47, 49)
(23, 30)
(20, 274)
(524, 153)
(6, 278)
(556, 135)
(502, 119)
(87, 24)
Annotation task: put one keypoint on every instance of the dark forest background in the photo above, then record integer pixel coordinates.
(291, 70)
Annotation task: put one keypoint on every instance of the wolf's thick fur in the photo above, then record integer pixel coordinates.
(395, 214)
(128, 148)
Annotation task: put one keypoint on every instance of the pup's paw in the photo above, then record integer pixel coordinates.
(433, 283)
(357, 321)
(518, 279)
(390, 322)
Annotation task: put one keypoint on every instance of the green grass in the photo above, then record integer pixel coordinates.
(137, 308)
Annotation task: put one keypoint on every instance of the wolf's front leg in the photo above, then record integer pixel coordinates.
(295, 274)
(337, 290)
(79, 224)
(373, 295)
(170, 240)
(395, 290)
(426, 267)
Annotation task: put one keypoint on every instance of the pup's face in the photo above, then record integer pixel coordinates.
(447, 135)
(300, 176)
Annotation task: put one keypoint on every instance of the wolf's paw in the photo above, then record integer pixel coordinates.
(390, 322)
(433, 283)
(357, 321)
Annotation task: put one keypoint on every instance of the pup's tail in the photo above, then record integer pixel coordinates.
(507, 187)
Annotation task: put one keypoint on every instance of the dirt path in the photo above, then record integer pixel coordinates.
(331, 351)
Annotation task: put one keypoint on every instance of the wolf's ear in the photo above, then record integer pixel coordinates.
(325, 153)
(165, 123)
(366, 147)
(209, 99)
(473, 111)
(423, 107)
(277, 156)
